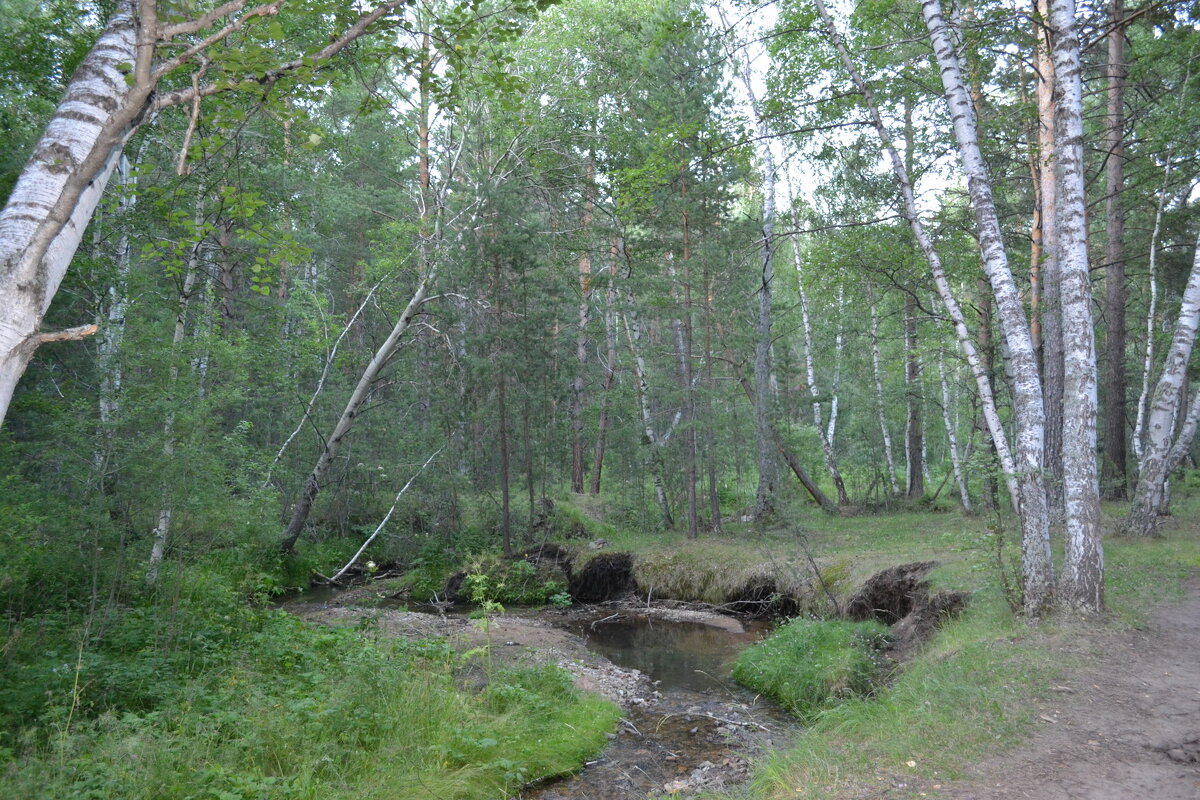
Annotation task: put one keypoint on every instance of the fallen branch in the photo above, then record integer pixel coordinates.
(385, 519)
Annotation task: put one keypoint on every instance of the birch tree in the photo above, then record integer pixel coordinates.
(1022, 472)
(118, 86)
(1083, 568)
(1154, 467)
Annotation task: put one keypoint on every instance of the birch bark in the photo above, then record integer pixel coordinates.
(1082, 584)
(1149, 499)
(1024, 478)
(811, 374)
(952, 436)
(162, 526)
(879, 404)
(764, 499)
(1019, 356)
(1151, 319)
(312, 484)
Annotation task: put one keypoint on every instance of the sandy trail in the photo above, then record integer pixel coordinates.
(1126, 728)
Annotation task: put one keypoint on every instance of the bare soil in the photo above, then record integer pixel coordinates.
(1126, 728)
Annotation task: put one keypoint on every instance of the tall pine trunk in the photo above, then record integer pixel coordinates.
(1113, 477)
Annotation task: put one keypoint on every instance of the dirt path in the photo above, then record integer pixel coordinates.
(1127, 728)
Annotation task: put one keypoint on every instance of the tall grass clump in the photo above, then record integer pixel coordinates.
(809, 666)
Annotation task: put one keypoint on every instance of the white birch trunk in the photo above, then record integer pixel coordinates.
(764, 379)
(43, 221)
(1151, 319)
(879, 404)
(1187, 432)
(162, 527)
(1082, 584)
(839, 342)
(358, 397)
(633, 332)
(811, 373)
(960, 478)
(112, 336)
(1149, 499)
(1019, 356)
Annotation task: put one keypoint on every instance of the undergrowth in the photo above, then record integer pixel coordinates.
(207, 696)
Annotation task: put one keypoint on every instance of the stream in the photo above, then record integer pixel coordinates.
(687, 726)
(700, 730)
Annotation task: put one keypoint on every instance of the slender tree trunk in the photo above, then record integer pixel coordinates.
(527, 451)
(689, 431)
(1149, 498)
(582, 345)
(1052, 327)
(1113, 478)
(1151, 321)
(1020, 358)
(792, 461)
(112, 336)
(880, 406)
(839, 346)
(960, 478)
(810, 372)
(1187, 432)
(346, 421)
(505, 493)
(764, 498)
(714, 497)
(1082, 584)
(162, 526)
(914, 435)
(610, 368)
(634, 334)
(991, 491)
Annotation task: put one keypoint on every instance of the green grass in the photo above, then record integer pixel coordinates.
(291, 712)
(809, 666)
(976, 688)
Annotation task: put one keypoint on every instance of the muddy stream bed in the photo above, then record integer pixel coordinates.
(687, 726)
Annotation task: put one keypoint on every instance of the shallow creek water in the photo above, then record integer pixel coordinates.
(699, 730)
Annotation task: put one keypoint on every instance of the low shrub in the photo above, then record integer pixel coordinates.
(808, 666)
(496, 580)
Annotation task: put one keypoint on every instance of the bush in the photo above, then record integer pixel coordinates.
(808, 666)
(491, 579)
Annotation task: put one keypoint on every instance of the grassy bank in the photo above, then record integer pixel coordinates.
(230, 701)
(975, 689)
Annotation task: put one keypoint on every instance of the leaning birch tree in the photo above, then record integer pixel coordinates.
(121, 83)
(1023, 470)
(1154, 466)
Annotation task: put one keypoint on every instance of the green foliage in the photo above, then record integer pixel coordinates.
(491, 579)
(429, 571)
(211, 697)
(809, 666)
